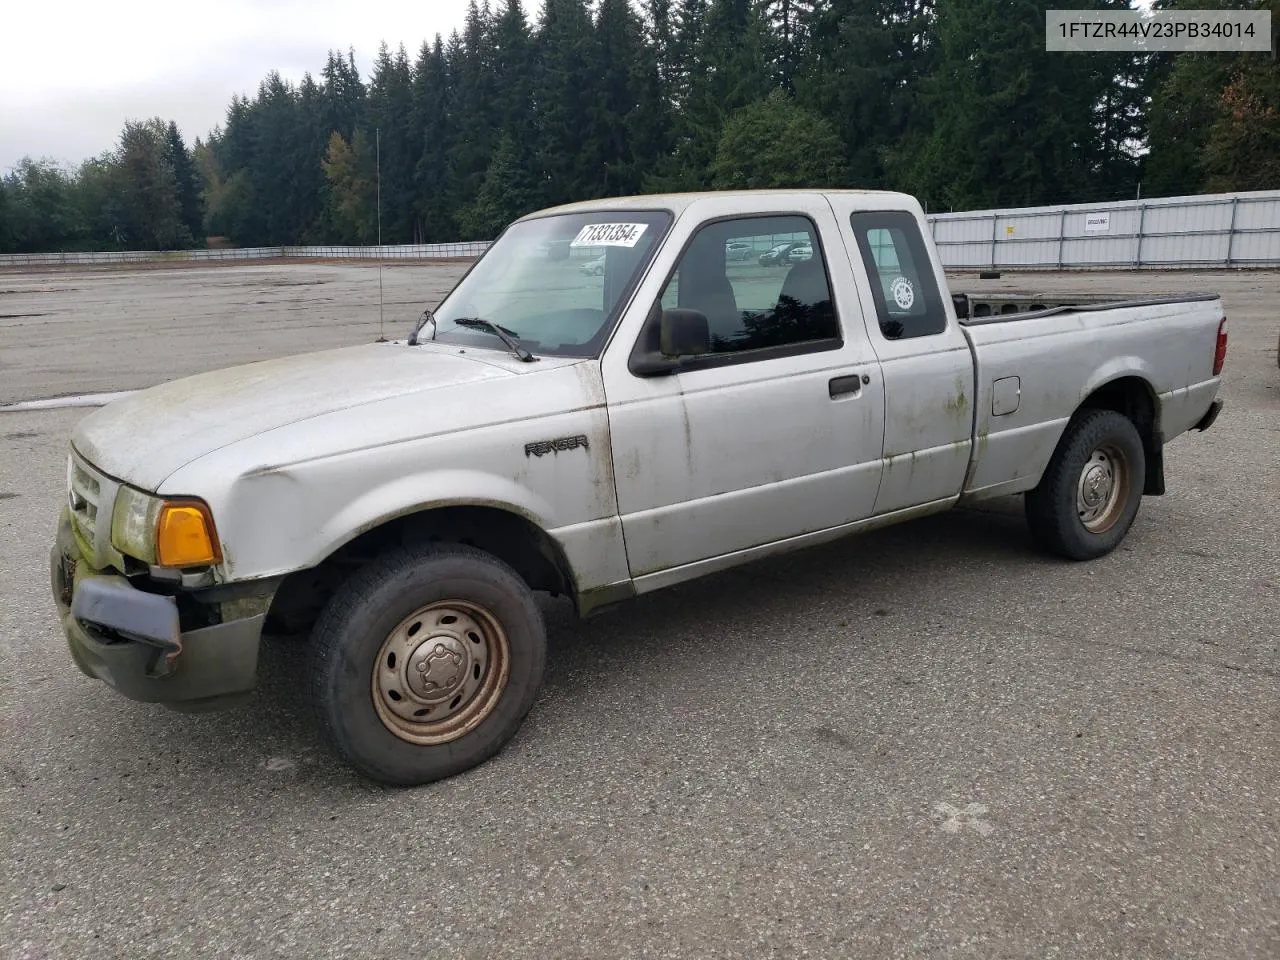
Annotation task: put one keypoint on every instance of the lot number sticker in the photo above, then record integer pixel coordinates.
(609, 235)
(904, 295)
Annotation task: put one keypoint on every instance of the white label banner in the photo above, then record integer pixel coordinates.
(609, 235)
(1097, 222)
(1152, 31)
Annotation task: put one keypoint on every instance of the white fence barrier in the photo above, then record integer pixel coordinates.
(1217, 230)
(415, 251)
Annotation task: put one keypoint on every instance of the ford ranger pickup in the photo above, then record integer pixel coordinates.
(678, 408)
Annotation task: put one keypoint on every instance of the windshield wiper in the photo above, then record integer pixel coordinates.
(502, 333)
(427, 317)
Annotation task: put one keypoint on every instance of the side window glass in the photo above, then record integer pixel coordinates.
(761, 282)
(902, 280)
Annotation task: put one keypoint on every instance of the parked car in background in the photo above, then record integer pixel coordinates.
(787, 253)
(593, 267)
(737, 250)
(555, 249)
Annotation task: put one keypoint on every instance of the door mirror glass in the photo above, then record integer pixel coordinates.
(685, 333)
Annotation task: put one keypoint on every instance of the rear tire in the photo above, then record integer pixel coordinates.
(1090, 493)
(426, 662)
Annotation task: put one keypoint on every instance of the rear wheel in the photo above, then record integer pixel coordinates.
(426, 662)
(1089, 495)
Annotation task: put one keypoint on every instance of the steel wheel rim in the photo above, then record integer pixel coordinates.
(440, 672)
(1103, 488)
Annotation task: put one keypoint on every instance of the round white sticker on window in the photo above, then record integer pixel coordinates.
(904, 295)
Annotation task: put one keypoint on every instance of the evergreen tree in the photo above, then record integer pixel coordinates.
(343, 94)
(432, 106)
(348, 168)
(659, 24)
(862, 68)
(509, 190)
(1243, 149)
(957, 103)
(41, 206)
(8, 218)
(1003, 130)
(625, 122)
(563, 93)
(231, 197)
(511, 49)
(788, 23)
(151, 210)
(722, 70)
(98, 197)
(473, 118)
(1209, 122)
(189, 202)
(309, 143)
(777, 143)
(386, 124)
(276, 142)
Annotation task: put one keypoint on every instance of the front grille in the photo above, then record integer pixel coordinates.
(85, 498)
(90, 497)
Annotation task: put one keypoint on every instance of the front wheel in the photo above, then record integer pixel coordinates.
(425, 663)
(1089, 495)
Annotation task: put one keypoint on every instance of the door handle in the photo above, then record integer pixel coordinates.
(844, 386)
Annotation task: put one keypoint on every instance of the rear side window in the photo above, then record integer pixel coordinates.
(902, 280)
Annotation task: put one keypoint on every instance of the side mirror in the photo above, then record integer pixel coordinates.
(684, 333)
(669, 335)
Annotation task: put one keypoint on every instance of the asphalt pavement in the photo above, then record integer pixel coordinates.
(928, 741)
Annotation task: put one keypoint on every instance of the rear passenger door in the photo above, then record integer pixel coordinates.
(925, 358)
(776, 432)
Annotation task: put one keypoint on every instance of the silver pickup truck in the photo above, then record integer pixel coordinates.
(676, 409)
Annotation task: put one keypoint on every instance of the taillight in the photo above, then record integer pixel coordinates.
(1220, 351)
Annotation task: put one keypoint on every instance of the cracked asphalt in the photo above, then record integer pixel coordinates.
(928, 741)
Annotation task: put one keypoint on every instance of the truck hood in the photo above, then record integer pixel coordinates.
(144, 438)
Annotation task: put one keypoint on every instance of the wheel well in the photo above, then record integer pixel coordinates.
(511, 538)
(1134, 398)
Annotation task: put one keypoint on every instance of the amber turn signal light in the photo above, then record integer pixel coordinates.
(185, 536)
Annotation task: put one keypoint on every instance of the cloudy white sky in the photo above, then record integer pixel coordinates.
(73, 71)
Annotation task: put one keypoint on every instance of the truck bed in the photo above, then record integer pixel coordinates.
(973, 309)
(1056, 356)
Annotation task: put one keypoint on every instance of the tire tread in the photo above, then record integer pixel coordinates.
(1050, 507)
(351, 600)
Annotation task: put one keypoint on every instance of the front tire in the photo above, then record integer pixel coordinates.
(1089, 495)
(426, 662)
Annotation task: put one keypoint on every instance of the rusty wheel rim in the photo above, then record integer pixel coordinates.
(440, 672)
(1103, 488)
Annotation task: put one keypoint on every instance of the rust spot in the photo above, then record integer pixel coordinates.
(960, 402)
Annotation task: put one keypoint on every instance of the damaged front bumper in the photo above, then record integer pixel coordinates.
(133, 640)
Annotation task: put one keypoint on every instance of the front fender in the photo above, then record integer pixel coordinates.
(293, 518)
(425, 491)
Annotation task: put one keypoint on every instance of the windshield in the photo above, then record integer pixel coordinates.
(554, 284)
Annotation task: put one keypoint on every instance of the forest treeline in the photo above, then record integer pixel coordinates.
(955, 101)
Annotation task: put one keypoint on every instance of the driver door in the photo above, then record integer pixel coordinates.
(777, 432)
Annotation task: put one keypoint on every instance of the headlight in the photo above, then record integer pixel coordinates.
(133, 523)
(169, 533)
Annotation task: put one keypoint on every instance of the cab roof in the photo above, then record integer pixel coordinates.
(679, 202)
